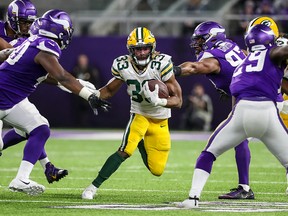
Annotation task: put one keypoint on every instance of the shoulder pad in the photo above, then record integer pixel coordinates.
(48, 45)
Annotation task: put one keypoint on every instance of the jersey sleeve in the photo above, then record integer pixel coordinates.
(166, 66)
(118, 64)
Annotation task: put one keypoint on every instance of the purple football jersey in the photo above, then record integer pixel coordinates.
(229, 56)
(257, 77)
(19, 74)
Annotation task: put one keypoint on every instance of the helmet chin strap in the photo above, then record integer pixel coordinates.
(142, 62)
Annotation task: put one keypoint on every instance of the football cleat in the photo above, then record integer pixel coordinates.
(238, 193)
(189, 203)
(89, 192)
(52, 173)
(26, 186)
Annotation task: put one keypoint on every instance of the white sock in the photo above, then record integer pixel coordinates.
(24, 170)
(199, 180)
(43, 162)
(245, 187)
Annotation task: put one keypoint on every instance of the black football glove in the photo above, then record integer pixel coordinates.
(97, 103)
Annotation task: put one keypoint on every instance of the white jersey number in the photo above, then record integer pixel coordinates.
(257, 63)
(15, 56)
(233, 57)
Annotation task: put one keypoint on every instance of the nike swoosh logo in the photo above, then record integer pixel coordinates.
(27, 183)
(162, 126)
(52, 44)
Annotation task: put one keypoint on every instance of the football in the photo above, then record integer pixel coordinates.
(163, 90)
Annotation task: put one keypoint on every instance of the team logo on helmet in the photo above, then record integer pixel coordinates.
(268, 21)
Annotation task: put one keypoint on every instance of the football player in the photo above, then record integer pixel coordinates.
(254, 86)
(29, 64)
(280, 41)
(149, 113)
(20, 16)
(217, 59)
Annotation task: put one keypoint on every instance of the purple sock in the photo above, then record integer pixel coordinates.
(205, 161)
(35, 144)
(243, 157)
(12, 138)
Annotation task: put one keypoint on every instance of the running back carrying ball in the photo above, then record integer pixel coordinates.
(163, 90)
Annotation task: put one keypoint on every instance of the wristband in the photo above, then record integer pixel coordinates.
(177, 70)
(85, 93)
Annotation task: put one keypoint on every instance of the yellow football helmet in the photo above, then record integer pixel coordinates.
(141, 37)
(268, 21)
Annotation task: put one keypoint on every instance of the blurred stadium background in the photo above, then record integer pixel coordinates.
(101, 29)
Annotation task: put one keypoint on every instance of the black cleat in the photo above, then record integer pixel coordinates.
(52, 173)
(238, 193)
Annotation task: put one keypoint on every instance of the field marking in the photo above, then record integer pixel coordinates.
(203, 206)
(208, 206)
(118, 135)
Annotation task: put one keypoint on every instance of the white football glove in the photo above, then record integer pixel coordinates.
(59, 85)
(86, 84)
(90, 86)
(153, 97)
(5, 53)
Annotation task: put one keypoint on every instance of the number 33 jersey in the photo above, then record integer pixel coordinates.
(160, 67)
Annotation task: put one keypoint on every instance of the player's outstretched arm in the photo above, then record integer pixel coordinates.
(110, 89)
(57, 72)
(205, 66)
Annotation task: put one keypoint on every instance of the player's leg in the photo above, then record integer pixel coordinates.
(227, 135)
(134, 132)
(13, 137)
(24, 125)
(275, 144)
(243, 191)
(143, 153)
(157, 144)
(23, 118)
(284, 117)
(32, 150)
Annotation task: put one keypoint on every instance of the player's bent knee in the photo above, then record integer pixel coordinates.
(124, 155)
(157, 171)
(43, 131)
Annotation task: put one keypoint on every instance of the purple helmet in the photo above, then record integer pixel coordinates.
(56, 24)
(34, 28)
(206, 35)
(259, 37)
(20, 10)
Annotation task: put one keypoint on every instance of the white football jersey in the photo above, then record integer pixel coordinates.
(161, 68)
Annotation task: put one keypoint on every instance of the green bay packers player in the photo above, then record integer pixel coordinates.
(148, 123)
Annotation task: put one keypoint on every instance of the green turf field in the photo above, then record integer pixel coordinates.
(132, 190)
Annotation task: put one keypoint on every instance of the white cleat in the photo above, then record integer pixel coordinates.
(26, 186)
(287, 190)
(89, 192)
(189, 203)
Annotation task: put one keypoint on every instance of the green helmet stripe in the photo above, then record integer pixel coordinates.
(140, 34)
